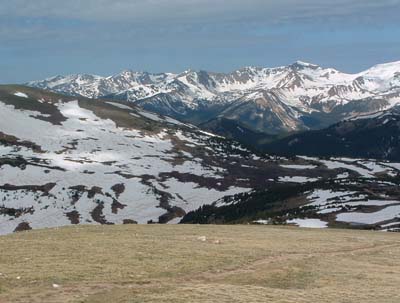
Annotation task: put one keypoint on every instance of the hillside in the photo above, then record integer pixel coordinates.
(178, 263)
(375, 136)
(73, 160)
(342, 203)
(232, 129)
(67, 160)
(278, 100)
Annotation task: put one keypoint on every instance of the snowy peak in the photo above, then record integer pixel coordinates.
(382, 77)
(197, 96)
(384, 70)
(202, 84)
(303, 65)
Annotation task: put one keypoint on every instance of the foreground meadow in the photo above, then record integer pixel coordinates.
(193, 263)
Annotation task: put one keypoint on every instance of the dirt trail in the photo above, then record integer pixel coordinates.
(255, 265)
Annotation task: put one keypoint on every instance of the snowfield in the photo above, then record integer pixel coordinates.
(386, 214)
(93, 153)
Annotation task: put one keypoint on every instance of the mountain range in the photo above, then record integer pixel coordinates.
(272, 101)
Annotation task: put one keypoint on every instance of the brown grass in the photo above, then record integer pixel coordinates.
(164, 263)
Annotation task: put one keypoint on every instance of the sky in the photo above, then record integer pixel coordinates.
(42, 38)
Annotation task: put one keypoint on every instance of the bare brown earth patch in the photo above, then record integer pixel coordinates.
(98, 216)
(23, 226)
(73, 216)
(8, 140)
(34, 188)
(116, 205)
(118, 189)
(129, 221)
(95, 190)
(15, 212)
(50, 112)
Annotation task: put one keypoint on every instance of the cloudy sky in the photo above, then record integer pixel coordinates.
(42, 38)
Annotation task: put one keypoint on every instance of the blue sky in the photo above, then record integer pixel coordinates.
(42, 38)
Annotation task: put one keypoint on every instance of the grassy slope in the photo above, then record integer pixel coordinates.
(169, 264)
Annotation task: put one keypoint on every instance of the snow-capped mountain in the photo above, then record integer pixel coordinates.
(274, 100)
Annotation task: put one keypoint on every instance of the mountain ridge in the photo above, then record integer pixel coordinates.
(271, 100)
(375, 135)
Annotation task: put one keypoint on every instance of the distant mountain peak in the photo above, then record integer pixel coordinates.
(303, 64)
(299, 90)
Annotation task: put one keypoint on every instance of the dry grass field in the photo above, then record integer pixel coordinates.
(191, 263)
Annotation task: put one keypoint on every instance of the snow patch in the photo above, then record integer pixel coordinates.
(308, 223)
(22, 95)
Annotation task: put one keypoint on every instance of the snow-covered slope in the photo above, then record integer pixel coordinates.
(348, 201)
(73, 160)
